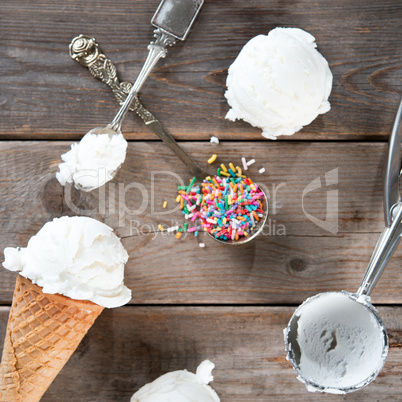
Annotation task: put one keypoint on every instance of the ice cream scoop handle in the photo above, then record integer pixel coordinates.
(383, 252)
(393, 167)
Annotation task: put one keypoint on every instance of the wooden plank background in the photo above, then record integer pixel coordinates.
(41, 86)
(243, 342)
(189, 304)
(292, 260)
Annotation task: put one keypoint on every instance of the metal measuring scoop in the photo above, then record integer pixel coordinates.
(357, 307)
(86, 51)
(173, 20)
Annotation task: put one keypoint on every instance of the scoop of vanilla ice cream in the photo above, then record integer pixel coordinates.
(93, 161)
(279, 82)
(180, 386)
(78, 257)
(341, 342)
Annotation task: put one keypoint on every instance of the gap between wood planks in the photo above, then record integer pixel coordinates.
(206, 140)
(220, 305)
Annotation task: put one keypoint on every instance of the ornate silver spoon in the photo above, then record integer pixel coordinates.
(173, 20)
(86, 51)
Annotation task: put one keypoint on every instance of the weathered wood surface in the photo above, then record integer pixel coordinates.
(151, 173)
(292, 260)
(189, 304)
(274, 270)
(131, 346)
(44, 94)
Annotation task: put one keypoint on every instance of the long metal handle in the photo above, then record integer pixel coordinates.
(86, 51)
(157, 50)
(393, 167)
(383, 252)
(192, 165)
(150, 120)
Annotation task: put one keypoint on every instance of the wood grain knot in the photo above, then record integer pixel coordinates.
(217, 77)
(52, 196)
(297, 265)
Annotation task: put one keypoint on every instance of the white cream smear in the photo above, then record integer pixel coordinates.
(341, 343)
(93, 161)
(180, 386)
(279, 82)
(78, 257)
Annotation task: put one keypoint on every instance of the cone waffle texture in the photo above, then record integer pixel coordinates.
(43, 331)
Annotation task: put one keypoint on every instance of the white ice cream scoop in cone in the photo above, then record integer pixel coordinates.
(69, 272)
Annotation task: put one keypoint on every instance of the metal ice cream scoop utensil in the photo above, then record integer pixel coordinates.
(173, 20)
(383, 252)
(86, 51)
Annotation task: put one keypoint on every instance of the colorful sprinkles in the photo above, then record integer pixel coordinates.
(212, 159)
(228, 205)
(243, 161)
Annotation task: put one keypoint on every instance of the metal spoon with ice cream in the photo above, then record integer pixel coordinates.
(336, 341)
(91, 56)
(102, 150)
(101, 67)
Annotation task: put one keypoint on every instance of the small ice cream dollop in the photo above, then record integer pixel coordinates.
(279, 82)
(78, 257)
(180, 386)
(93, 161)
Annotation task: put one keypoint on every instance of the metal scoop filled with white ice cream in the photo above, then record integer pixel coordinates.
(336, 341)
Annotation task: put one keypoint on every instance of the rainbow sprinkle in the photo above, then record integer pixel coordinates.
(229, 205)
(212, 159)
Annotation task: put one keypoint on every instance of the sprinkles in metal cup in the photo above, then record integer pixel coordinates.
(230, 206)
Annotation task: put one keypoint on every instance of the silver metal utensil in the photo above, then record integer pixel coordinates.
(175, 17)
(173, 20)
(383, 252)
(86, 51)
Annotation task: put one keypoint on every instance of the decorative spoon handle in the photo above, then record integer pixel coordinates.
(173, 20)
(86, 51)
(157, 50)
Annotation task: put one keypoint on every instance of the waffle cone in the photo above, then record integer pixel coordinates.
(43, 331)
